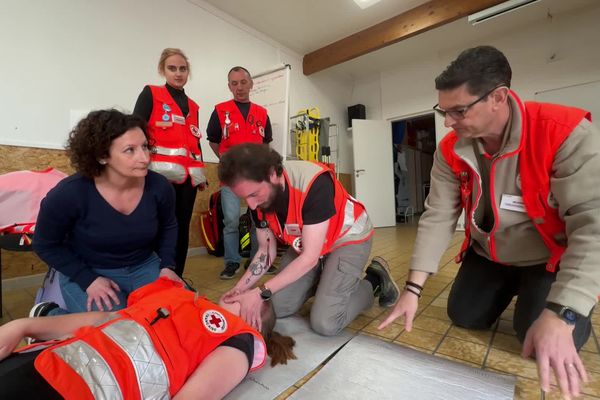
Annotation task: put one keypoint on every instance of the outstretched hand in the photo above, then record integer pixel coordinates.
(405, 307)
(551, 340)
(102, 290)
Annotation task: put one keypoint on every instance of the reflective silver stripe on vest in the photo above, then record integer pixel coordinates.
(197, 175)
(173, 172)
(167, 151)
(92, 368)
(353, 230)
(149, 367)
(181, 151)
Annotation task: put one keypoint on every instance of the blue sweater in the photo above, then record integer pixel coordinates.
(77, 229)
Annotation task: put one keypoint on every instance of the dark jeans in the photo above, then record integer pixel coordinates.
(185, 196)
(20, 379)
(483, 289)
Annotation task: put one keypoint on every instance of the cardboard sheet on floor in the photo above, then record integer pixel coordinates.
(369, 368)
(311, 349)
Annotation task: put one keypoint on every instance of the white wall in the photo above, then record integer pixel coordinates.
(571, 37)
(62, 55)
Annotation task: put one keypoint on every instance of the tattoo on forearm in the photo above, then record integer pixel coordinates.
(257, 267)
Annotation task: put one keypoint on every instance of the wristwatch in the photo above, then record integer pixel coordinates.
(565, 313)
(262, 224)
(265, 293)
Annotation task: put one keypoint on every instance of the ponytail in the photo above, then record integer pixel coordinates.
(279, 347)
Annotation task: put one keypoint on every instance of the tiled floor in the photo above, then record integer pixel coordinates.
(496, 349)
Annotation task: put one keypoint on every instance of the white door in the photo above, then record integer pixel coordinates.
(373, 169)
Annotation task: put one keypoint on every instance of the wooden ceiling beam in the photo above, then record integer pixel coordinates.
(417, 20)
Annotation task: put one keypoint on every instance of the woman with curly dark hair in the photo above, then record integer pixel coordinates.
(109, 228)
(172, 119)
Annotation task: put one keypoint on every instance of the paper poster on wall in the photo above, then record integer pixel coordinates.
(271, 90)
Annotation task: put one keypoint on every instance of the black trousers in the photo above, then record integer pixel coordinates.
(185, 196)
(483, 289)
(20, 380)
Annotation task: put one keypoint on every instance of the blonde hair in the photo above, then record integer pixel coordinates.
(168, 52)
(279, 347)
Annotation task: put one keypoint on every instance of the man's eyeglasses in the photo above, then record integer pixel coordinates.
(459, 113)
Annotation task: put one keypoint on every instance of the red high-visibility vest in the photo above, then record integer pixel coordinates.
(137, 354)
(177, 151)
(235, 129)
(349, 225)
(544, 128)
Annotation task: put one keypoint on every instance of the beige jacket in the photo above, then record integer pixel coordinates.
(574, 185)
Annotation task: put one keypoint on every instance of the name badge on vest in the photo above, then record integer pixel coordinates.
(512, 202)
(178, 119)
(164, 124)
(293, 229)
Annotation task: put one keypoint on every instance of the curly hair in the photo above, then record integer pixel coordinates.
(249, 161)
(91, 138)
(482, 68)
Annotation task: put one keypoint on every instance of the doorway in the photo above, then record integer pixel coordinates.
(414, 144)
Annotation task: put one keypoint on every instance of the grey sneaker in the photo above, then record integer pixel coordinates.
(388, 290)
(229, 271)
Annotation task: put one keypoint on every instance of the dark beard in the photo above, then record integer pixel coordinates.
(276, 198)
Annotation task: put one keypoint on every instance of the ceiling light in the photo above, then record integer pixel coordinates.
(366, 3)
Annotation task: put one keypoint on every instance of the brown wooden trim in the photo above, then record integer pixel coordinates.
(417, 20)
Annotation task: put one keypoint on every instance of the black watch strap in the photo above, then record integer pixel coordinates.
(567, 314)
(265, 293)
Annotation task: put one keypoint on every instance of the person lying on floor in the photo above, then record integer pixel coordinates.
(168, 343)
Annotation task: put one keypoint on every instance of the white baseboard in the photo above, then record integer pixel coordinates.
(21, 282)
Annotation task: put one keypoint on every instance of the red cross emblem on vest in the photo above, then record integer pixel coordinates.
(214, 321)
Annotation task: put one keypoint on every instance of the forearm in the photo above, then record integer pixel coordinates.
(215, 149)
(578, 280)
(166, 246)
(437, 224)
(262, 261)
(257, 268)
(418, 277)
(53, 327)
(167, 226)
(573, 184)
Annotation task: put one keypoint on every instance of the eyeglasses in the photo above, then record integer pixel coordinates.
(460, 112)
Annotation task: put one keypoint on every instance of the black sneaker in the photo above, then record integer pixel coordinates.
(42, 309)
(271, 271)
(229, 271)
(387, 290)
